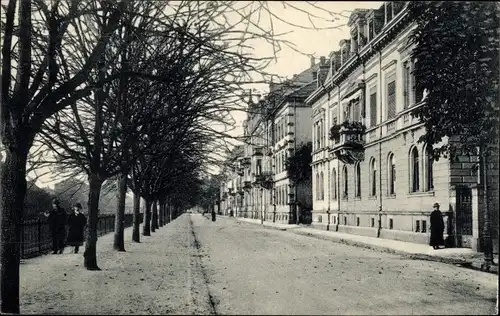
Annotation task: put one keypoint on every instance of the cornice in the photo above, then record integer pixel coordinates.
(380, 41)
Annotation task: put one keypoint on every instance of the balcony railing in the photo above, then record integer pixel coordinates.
(246, 161)
(348, 141)
(257, 151)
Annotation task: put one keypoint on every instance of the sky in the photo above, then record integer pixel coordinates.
(307, 42)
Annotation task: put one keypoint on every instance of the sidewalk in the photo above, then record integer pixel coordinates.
(159, 275)
(460, 256)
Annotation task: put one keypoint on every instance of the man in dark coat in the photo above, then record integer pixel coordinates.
(437, 227)
(57, 223)
(76, 224)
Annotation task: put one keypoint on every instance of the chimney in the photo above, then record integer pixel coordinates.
(322, 60)
(313, 61)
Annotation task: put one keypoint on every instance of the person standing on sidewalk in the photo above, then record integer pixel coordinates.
(76, 225)
(437, 227)
(57, 223)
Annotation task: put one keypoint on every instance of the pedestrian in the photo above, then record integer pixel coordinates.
(76, 224)
(437, 227)
(213, 215)
(57, 223)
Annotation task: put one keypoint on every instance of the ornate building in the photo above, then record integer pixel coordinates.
(371, 176)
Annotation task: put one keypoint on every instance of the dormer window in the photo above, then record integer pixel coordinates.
(371, 29)
(389, 11)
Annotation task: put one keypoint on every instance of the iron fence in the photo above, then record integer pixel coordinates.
(36, 237)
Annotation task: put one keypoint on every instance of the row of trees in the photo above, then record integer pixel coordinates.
(136, 92)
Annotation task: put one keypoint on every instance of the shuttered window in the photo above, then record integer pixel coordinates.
(391, 99)
(373, 107)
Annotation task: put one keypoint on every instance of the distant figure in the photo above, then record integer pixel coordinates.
(437, 227)
(213, 215)
(76, 223)
(57, 223)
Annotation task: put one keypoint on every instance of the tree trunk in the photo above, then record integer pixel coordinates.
(146, 226)
(154, 222)
(119, 242)
(162, 214)
(137, 218)
(487, 241)
(90, 254)
(12, 193)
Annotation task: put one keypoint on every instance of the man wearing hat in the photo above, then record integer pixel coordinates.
(57, 223)
(437, 227)
(76, 223)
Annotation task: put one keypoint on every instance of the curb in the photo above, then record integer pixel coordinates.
(266, 226)
(474, 265)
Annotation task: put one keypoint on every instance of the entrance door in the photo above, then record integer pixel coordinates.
(464, 217)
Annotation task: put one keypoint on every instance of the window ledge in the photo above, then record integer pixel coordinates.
(372, 197)
(419, 194)
(357, 198)
(391, 196)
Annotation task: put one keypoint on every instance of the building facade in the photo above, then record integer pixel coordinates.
(371, 176)
(275, 126)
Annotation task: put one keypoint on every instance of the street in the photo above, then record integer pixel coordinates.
(196, 266)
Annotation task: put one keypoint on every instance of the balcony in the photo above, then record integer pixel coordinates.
(264, 180)
(348, 140)
(240, 172)
(258, 151)
(246, 161)
(247, 185)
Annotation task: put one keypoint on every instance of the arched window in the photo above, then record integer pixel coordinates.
(391, 175)
(322, 185)
(373, 177)
(357, 191)
(317, 187)
(414, 170)
(334, 184)
(346, 182)
(429, 161)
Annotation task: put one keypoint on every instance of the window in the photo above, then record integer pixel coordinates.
(424, 226)
(406, 84)
(357, 221)
(429, 161)
(358, 180)
(259, 166)
(391, 99)
(388, 12)
(334, 184)
(321, 185)
(371, 29)
(418, 90)
(317, 187)
(373, 222)
(373, 106)
(345, 220)
(318, 145)
(414, 176)
(373, 177)
(391, 223)
(391, 176)
(346, 182)
(417, 226)
(356, 113)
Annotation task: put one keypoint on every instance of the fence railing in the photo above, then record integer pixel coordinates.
(36, 237)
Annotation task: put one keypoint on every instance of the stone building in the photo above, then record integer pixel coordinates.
(275, 126)
(231, 191)
(371, 176)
